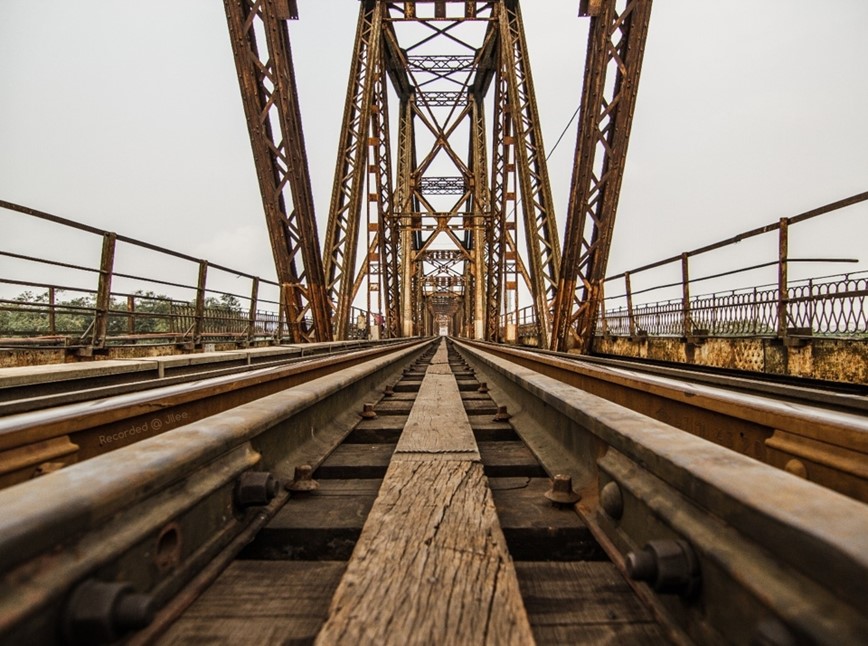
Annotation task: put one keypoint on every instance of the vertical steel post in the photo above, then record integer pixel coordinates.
(52, 315)
(630, 315)
(199, 323)
(783, 295)
(131, 316)
(251, 316)
(686, 328)
(103, 293)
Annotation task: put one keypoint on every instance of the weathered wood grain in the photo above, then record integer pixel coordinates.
(437, 424)
(431, 565)
(584, 603)
(238, 609)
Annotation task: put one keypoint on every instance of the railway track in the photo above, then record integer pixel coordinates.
(813, 433)
(51, 419)
(673, 537)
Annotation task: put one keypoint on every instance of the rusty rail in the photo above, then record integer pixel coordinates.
(94, 422)
(164, 511)
(824, 439)
(725, 549)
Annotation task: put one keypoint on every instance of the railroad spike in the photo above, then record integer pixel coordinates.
(561, 494)
(302, 481)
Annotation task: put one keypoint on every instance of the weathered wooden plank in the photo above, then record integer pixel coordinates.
(584, 603)
(509, 459)
(431, 566)
(322, 524)
(356, 461)
(537, 530)
(237, 609)
(437, 424)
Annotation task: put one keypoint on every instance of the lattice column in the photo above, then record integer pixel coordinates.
(403, 206)
(616, 45)
(501, 200)
(344, 215)
(481, 215)
(270, 97)
(543, 245)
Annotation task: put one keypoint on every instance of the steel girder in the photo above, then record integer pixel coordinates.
(541, 232)
(270, 98)
(481, 208)
(342, 234)
(501, 199)
(440, 93)
(616, 44)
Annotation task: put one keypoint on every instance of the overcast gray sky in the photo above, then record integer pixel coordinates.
(126, 115)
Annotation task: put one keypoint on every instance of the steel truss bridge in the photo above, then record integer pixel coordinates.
(372, 482)
(448, 221)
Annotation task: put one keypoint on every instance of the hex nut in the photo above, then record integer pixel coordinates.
(255, 489)
(101, 612)
(669, 566)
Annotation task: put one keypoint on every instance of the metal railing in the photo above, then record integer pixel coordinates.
(89, 312)
(833, 306)
(829, 306)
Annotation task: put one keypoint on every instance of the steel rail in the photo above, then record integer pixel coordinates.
(823, 443)
(724, 549)
(39, 441)
(157, 513)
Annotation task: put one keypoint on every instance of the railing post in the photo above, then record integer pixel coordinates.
(783, 297)
(685, 297)
(131, 316)
(280, 315)
(52, 320)
(630, 318)
(251, 318)
(103, 293)
(604, 323)
(754, 312)
(199, 323)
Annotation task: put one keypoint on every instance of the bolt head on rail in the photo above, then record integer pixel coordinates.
(302, 481)
(562, 492)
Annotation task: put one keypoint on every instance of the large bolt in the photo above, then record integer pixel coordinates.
(255, 489)
(611, 500)
(101, 612)
(669, 566)
(562, 493)
(368, 411)
(302, 480)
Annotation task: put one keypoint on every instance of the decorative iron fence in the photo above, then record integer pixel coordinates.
(833, 306)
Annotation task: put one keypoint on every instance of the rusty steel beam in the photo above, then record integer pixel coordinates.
(502, 168)
(270, 98)
(345, 211)
(543, 245)
(616, 44)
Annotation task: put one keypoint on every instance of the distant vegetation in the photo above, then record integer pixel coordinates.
(28, 314)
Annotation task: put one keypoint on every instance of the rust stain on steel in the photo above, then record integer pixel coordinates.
(98, 428)
(833, 445)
